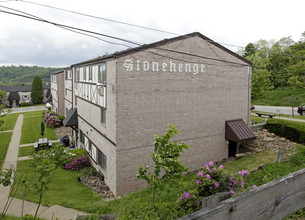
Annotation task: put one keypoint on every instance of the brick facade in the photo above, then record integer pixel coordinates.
(189, 81)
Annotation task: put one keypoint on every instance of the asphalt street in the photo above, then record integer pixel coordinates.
(277, 109)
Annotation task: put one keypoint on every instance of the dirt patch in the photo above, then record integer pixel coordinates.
(96, 184)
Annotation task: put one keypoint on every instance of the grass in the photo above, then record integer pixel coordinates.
(281, 97)
(256, 119)
(66, 190)
(251, 162)
(9, 121)
(26, 151)
(33, 113)
(31, 129)
(5, 139)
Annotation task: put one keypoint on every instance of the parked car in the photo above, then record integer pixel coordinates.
(252, 107)
(301, 110)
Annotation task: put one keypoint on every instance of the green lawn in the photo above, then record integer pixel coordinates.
(251, 162)
(33, 113)
(31, 129)
(67, 191)
(256, 119)
(281, 97)
(5, 139)
(26, 151)
(9, 121)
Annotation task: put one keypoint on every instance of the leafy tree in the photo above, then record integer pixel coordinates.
(37, 90)
(2, 95)
(165, 157)
(250, 49)
(297, 75)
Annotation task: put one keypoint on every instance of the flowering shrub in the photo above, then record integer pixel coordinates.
(77, 163)
(51, 119)
(189, 203)
(212, 179)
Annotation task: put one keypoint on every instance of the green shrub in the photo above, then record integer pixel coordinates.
(24, 104)
(294, 131)
(61, 117)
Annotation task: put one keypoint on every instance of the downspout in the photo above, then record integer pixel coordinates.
(249, 96)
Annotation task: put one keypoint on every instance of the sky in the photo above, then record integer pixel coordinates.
(236, 22)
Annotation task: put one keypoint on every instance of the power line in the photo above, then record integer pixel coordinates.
(101, 18)
(116, 21)
(108, 36)
(67, 28)
(70, 27)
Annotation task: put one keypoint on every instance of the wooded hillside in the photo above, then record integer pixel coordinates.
(16, 75)
(276, 64)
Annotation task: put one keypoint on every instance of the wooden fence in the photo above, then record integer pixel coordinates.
(274, 200)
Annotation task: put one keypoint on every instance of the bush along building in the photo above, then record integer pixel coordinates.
(118, 102)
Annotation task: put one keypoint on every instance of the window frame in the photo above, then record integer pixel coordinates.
(102, 73)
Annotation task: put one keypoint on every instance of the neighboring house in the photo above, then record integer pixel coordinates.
(15, 95)
(118, 102)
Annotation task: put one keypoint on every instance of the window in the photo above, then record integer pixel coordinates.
(66, 74)
(90, 72)
(81, 137)
(84, 73)
(77, 75)
(102, 73)
(54, 78)
(103, 115)
(89, 146)
(102, 159)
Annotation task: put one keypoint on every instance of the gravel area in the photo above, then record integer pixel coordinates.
(61, 131)
(269, 141)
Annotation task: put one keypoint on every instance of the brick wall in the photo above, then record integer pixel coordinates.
(198, 105)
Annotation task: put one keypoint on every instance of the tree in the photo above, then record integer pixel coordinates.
(2, 95)
(37, 90)
(165, 157)
(249, 50)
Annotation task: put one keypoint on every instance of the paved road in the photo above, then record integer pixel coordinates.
(277, 109)
(27, 109)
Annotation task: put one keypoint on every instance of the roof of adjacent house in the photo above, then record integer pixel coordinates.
(22, 88)
(238, 131)
(158, 44)
(13, 96)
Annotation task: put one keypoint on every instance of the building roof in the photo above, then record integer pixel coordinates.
(13, 96)
(71, 119)
(158, 44)
(22, 88)
(238, 131)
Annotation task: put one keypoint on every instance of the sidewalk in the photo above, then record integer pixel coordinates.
(54, 212)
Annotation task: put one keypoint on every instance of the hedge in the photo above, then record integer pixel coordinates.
(294, 131)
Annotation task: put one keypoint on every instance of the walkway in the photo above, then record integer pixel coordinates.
(54, 212)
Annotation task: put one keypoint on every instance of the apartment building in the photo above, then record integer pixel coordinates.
(118, 102)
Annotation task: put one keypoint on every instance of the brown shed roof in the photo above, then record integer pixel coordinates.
(238, 131)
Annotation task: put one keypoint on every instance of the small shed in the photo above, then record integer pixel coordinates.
(237, 132)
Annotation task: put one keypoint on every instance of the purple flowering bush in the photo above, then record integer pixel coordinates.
(212, 179)
(51, 119)
(77, 163)
(189, 203)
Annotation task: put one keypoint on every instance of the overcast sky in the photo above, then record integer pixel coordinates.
(235, 22)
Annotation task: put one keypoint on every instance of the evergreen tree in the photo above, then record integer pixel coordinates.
(37, 90)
